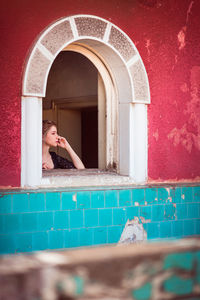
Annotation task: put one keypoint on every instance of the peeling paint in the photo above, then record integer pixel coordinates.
(181, 136)
(189, 134)
(189, 11)
(170, 199)
(144, 221)
(156, 135)
(133, 232)
(175, 61)
(182, 33)
(147, 46)
(168, 190)
(74, 197)
(181, 38)
(184, 88)
(170, 212)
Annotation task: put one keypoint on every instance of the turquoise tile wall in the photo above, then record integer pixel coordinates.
(66, 218)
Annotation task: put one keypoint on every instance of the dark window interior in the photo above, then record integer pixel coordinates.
(89, 137)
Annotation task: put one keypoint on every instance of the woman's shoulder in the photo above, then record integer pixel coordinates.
(61, 162)
(53, 154)
(54, 158)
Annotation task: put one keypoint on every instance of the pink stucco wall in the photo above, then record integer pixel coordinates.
(167, 36)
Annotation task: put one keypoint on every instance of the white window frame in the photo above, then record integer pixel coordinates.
(127, 95)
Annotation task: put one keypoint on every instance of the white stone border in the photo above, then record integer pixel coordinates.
(125, 64)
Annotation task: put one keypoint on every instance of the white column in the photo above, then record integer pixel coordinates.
(124, 139)
(31, 155)
(138, 142)
(133, 141)
(101, 124)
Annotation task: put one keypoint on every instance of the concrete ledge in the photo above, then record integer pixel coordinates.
(84, 178)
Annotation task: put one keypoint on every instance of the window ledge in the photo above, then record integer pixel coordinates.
(86, 177)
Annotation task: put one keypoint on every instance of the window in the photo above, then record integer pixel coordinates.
(122, 95)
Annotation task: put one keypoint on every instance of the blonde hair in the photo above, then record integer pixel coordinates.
(46, 125)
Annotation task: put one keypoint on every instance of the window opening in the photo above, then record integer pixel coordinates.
(72, 102)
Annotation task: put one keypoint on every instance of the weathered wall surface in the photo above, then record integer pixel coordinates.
(174, 74)
(167, 36)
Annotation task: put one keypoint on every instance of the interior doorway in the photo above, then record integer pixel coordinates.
(72, 102)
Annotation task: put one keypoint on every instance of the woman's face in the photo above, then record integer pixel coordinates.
(51, 138)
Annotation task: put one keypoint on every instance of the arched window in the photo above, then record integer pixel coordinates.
(123, 92)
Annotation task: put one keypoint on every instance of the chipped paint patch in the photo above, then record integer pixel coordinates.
(74, 197)
(181, 136)
(170, 199)
(168, 190)
(189, 11)
(147, 46)
(175, 59)
(170, 212)
(133, 232)
(189, 134)
(182, 33)
(156, 135)
(181, 38)
(184, 88)
(144, 221)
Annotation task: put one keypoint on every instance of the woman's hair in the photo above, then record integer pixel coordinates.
(46, 125)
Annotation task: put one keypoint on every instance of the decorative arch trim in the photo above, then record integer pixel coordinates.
(84, 27)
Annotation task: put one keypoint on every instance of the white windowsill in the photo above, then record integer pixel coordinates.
(81, 178)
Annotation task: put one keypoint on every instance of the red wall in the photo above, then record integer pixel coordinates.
(167, 36)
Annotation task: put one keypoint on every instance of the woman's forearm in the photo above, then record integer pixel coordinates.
(63, 143)
(75, 159)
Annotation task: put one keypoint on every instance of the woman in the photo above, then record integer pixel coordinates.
(50, 160)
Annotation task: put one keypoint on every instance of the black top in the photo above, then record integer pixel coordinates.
(61, 162)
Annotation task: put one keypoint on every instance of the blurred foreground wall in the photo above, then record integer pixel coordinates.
(138, 271)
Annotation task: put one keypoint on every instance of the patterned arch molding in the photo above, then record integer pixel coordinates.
(79, 27)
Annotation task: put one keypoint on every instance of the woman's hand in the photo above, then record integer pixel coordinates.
(62, 142)
(45, 166)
